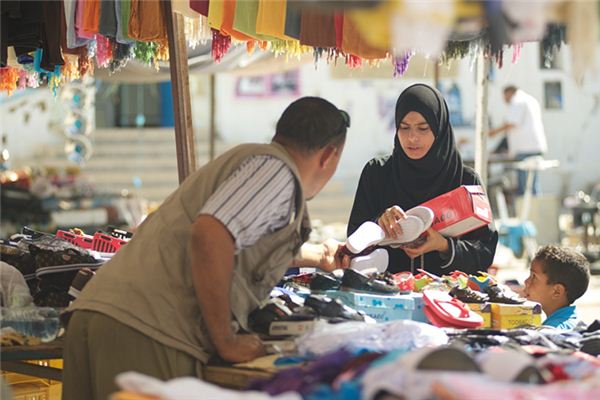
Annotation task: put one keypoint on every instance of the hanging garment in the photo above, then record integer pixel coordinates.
(31, 25)
(79, 24)
(108, 18)
(183, 7)
(353, 43)
(317, 28)
(373, 24)
(200, 6)
(422, 26)
(215, 14)
(147, 21)
(229, 7)
(72, 40)
(270, 19)
(246, 15)
(293, 17)
(123, 12)
(91, 16)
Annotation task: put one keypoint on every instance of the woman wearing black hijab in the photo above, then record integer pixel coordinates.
(424, 164)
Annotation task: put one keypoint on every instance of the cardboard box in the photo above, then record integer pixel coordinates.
(510, 316)
(485, 310)
(381, 308)
(460, 211)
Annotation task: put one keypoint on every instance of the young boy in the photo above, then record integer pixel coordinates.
(558, 277)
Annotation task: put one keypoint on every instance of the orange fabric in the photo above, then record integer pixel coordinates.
(91, 15)
(147, 21)
(228, 17)
(353, 43)
(271, 18)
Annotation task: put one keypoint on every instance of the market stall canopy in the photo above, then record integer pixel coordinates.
(67, 38)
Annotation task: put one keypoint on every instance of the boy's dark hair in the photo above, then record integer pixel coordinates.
(567, 267)
(310, 124)
(510, 89)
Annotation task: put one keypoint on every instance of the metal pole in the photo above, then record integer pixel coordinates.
(182, 108)
(481, 117)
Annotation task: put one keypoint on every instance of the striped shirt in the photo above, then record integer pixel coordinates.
(256, 200)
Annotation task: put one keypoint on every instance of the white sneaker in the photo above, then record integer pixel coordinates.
(377, 261)
(368, 234)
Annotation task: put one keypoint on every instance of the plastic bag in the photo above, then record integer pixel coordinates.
(395, 335)
(14, 291)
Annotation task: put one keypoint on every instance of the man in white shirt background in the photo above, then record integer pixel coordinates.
(525, 131)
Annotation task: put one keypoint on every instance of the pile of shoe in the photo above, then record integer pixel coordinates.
(282, 316)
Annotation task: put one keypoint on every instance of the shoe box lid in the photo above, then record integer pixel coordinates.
(527, 308)
(357, 299)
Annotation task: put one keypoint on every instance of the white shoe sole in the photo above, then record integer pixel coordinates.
(368, 234)
(377, 261)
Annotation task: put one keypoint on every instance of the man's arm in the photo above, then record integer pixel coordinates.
(506, 127)
(327, 256)
(212, 258)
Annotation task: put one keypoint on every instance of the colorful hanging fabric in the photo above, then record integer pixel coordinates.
(422, 25)
(220, 44)
(183, 7)
(91, 16)
(147, 21)
(72, 39)
(401, 64)
(244, 21)
(197, 31)
(123, 13)
(9, 77)
(338, 22)
(293, 18)
(103, 51)
(317, 28)
(108, 19)
(79, 21)
(122, 53)
(200, 6)
(215, 14)
(374, 23)
(353, 43)
(270, 19)
(228, 17)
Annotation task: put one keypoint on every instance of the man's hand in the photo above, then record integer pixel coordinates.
(240, 348)
(333, 257)
(389, 222)
(435, 242)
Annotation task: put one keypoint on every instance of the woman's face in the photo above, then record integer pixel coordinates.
(415, 135)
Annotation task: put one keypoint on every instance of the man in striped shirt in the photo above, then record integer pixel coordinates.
(182, 289)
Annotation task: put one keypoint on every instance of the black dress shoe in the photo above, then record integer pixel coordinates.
(504, 296)
(321, 281)
(355, 281)
(332, 308)
(468, 295)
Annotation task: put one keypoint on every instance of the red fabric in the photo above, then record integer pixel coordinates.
(200, 6)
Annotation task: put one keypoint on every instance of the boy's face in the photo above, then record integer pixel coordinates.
(537, 287)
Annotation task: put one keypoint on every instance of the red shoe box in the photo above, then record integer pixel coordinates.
(460, 211)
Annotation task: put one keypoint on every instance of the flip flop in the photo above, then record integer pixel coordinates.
(411, 226)
(368, 234)
(424, 213)
(451, 310)
(378, 260)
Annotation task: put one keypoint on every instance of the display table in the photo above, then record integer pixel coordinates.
(18, 359)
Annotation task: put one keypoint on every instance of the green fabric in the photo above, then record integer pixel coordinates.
(125, 15)
(244, 20)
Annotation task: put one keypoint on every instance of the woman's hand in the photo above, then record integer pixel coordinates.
(435, 242)
(389, 222)
(333, 256)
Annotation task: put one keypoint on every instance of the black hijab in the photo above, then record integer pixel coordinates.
(441, 169)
